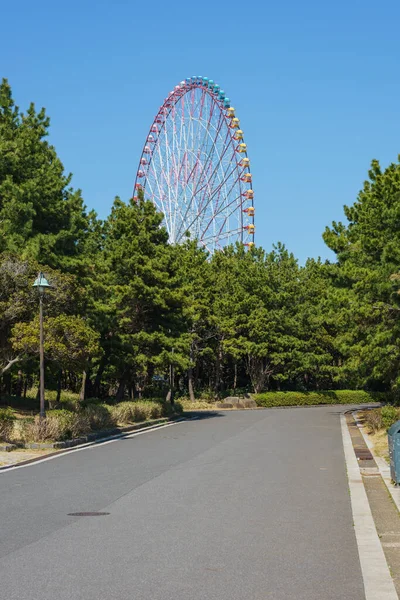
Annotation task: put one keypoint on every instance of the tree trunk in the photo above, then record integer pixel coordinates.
(89, 385)
(7, 383)
(9, 365)
(170, 395)
(59, 382)
(190, 375)
(99, 375)
(121, 390)
(235, 376)
(82, 393)
(191, 385)
(139, 390)
(218, 369)
(20, 383)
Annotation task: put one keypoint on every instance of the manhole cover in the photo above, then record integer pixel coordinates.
(88, 514)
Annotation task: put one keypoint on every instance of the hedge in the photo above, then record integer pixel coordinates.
(275, 399)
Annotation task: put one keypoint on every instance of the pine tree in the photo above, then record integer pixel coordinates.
(368, 252)
(41, 217)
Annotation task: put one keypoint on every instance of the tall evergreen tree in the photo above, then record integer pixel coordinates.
(368, 253)
(41, 216)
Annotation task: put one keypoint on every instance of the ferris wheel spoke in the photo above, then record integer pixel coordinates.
(215, 172)
(224, 209)
(217, 192)
(213, 149)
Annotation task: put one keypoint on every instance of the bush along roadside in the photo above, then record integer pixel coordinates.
(278, 399)
(61, 426)
(380, 419)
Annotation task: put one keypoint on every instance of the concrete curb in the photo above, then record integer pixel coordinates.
(382, 465)
(378, 583)
(91, 437)
(8, 447)
(99, 440)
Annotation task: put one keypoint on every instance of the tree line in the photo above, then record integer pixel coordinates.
(130, 315)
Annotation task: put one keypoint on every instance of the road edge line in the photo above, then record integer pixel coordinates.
(378, 582)
(89, 445)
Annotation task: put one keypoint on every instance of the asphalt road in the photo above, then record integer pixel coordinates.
(247, 505)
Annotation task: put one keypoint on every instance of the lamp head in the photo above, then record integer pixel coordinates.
(41, 283)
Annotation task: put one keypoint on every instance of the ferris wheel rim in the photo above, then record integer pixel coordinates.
(239, 167)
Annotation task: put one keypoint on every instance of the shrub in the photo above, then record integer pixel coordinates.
(135, 412)
(188, 405)
(390, 415)
(143, 410)
(58, 425)
(271, 399)
(99, 416)
(7, 419)
(373, 419)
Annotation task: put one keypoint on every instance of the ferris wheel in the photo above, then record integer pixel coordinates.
(194, 167)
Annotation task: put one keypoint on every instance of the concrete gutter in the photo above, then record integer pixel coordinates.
(378, 583)
(381, 463)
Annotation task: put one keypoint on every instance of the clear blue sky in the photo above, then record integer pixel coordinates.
(316, 86)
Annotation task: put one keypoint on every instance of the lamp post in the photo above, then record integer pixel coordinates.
(41, 284)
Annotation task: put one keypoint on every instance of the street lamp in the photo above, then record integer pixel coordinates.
(41, 284)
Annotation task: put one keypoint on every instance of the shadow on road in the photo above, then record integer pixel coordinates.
(200, 415)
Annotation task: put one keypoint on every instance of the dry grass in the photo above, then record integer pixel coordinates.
(380, 443)
(19, 455)
(197, 405)
(376, 431)
(61, 424)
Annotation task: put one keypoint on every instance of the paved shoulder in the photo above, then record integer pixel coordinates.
(246, 505)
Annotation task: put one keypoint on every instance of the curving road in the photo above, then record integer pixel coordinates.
(247, 505)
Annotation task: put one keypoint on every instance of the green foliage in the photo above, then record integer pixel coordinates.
(366, 280)
(41, 217)
(390, 415)
(69, 340)
(130, 316)
(277, 399)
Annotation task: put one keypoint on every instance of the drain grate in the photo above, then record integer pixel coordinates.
(88, 514)
(363, 454)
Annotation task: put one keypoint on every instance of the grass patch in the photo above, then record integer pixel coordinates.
(379, 440)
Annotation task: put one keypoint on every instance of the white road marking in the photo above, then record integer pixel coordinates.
(93, 445)
(378, 583)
